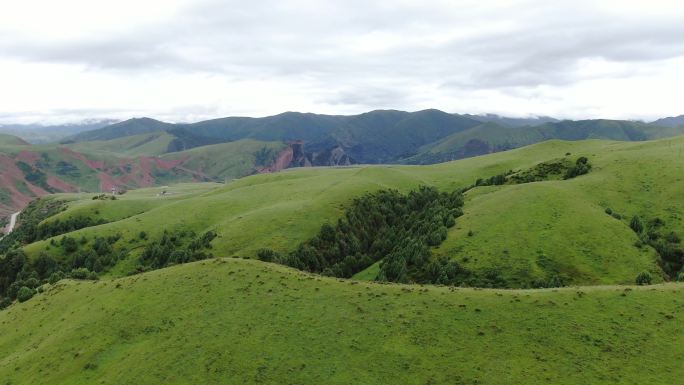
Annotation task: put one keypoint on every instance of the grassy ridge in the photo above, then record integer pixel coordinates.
(155, 143)
(576, 239)
(563, 223)
(235, 321)
(230, 160)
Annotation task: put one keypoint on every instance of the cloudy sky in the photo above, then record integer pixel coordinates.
(182, 60)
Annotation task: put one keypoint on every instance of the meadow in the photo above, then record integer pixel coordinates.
(234, 321)
(519, 230)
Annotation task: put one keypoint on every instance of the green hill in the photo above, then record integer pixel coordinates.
(155, 143)
(228, 321)
(135, 126)
(11, 140)
(491, 137)
(230, 160)
(571, 236)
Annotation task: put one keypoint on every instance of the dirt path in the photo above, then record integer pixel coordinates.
(13, 222)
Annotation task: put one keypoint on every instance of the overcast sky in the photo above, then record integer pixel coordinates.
(181, 60)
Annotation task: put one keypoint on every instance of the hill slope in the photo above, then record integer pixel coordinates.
(235, 322)
(574, 238)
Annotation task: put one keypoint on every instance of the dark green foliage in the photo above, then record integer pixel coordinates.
(265, 156)
(83, 273)
(142, 235)
(67, 169)
(385, 225)
(25, 293)
(44, 265)
(68, 244)
(175, 248)
(667, 246)
(636, 224)
(644, 278)
(56, 277)
(268, 255)
(581, 167)
(672, 238)
(104, 197)
(496, 180)
(542, 171)
(34, 176)
(11, 266)
(27, 223)
(59, 227)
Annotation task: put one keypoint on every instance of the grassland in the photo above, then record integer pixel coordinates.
(150, 144)
(230, 160)
(234, 321)
(520, 230)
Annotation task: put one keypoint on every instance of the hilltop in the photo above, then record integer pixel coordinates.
(231, 321)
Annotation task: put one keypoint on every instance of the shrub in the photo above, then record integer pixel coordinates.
(672, 237)
(5, 302)
(56, 277)
(636, 224)
(80, 273)
(267, 255)
(644, 278)
(25, 293)
(609, 211)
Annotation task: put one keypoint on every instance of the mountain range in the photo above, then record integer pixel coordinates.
(142, 152)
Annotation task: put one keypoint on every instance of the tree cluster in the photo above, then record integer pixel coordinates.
(385, 225)
(581, 167)
(175, 248)
(666, 244)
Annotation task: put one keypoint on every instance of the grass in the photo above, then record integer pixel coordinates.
(227, 160)
(151, 144)
(232, 321)
(525, 231)
(565, 222)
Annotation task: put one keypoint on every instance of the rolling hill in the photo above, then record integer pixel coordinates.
(231, 321)
(236, 320)
(573, 237)
(31, 171)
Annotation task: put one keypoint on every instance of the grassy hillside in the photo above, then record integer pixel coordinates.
(570, 235)
(235, 321)
(11, 140)
(563, 224)
(230, 160)
(491, 137)
(130, 127)
(155, 143)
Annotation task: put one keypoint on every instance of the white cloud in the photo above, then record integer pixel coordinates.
(185, 60)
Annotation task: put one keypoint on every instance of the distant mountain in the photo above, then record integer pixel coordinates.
(39, 133)
(512, 122)
(145, 152)
(374, 137)
(128, 127)
(492, 137)
(673, 121)
(381, 136)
